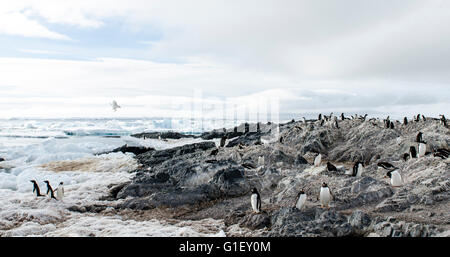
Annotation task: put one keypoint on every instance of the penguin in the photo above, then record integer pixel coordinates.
(412, 152)
(336, 123)
(248, 166)
(358, 169)
(223, 140)
(405, 121)
(396, 178)
(36, 188)
(260, 161)
(405, 156)
(419, 137)
(300, 200)
(317, 160)
(391, 125)
(325, 195)
(385, 165)
(304, 120)
(214, 152)
(417, 118)
(50, 189)
(422, 149)
(331, 167)
(342, 116)
(443, 120)
(443, 153)
(423, 118)
(438, 154)
(281, 140)
(255, 200)
(320, 116)
(322, 122)
(60, 191)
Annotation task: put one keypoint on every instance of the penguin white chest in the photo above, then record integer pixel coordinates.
(360, 170)
(325, 196)
(254, 201)
(396, 178)
(317, 160)
(301, 201)
(60, 193)
(422, 149)
(261, 161)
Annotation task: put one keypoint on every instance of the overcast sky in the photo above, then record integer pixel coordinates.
(72, 58)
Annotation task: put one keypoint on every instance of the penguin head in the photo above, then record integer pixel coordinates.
(46, 182)
(301, 192)
(33, 181)
(61, 183)
(324, 184)
(254, 190)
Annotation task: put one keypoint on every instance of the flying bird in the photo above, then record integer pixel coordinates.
(115, 105)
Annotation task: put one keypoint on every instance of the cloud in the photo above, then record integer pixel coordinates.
(18, 24)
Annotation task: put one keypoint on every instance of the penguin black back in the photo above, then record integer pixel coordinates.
(405, 121)
(413, 152)
(355, 168)
(385, 165)
(50, 189)
(419, 138)
(36, 188)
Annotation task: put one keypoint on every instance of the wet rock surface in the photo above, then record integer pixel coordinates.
(202, 180)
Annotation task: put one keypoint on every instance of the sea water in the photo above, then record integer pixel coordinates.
(68, 151)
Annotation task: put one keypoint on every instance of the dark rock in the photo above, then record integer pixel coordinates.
(299, 160)
(133, 149)
(359, 219)
(162, 135)
(255, 221)
(156, 157)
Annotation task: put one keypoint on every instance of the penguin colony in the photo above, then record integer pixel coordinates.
(396, 180)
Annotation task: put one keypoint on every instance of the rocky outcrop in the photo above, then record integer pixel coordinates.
(162, 135)
(215, 181)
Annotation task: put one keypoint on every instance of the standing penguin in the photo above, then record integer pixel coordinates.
(422, 149)
(300, 200)
(391, 126)
(320, 116)
(358, 169)
(342, 116)
(419, 137)
(317, 160)
(412, 152)
(60, 191)
(443, 120)
(50, 189)
(405, 121)
(325, 195)
(36, 188)
(260, 161)
(396, 178)
(336, 123)
(223, 140)
(255, 200)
